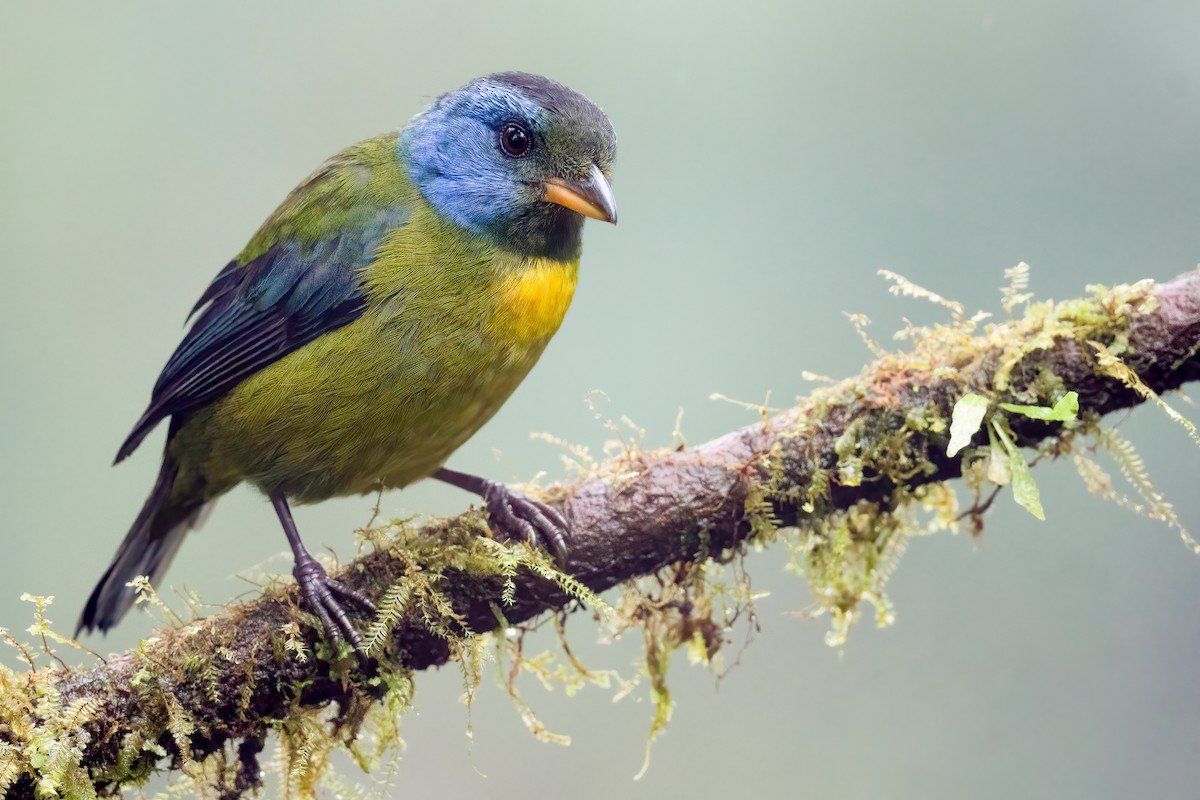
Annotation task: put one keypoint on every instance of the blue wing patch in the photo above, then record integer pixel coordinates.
(254, 314)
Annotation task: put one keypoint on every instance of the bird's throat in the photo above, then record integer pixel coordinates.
(534, 298)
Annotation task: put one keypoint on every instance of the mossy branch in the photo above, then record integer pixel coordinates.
(222, 683)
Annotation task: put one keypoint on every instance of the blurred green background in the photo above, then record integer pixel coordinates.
(772, 158)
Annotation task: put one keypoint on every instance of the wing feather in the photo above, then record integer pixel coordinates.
(254, 314)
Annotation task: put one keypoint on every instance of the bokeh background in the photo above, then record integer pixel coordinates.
(772, 158)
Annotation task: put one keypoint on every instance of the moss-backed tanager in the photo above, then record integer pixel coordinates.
(374, 322)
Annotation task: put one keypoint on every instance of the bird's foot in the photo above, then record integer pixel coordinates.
(515, 516)
(322, 593)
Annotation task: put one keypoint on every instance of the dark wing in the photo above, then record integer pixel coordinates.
(254, 314)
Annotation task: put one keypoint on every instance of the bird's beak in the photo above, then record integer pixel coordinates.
(590, 196)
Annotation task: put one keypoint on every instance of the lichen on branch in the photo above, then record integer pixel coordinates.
(842, 479)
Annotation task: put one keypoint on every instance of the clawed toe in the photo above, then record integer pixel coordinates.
(516, 516)
(319, 592)
(352, 595)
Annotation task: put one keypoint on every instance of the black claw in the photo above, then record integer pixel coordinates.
(353, 595)
(516, 516)
(319, 590)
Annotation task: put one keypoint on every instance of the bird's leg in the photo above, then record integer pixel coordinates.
(318, 588)
(514, 515)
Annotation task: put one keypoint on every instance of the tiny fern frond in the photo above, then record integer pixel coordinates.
(391, 608)
(1112, 366)
(903, 287)
(1014, 293)
(1133, 469)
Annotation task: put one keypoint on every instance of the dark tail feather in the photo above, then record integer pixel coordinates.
(147, 550)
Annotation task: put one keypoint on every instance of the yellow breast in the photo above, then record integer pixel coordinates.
(534, 298)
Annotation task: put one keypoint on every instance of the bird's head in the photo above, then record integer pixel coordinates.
(516, 158)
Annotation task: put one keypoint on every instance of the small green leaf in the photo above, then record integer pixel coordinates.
(1025, 490)
(998, 471)
(965, 421)
(1065, 410)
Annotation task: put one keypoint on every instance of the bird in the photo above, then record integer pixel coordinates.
(372, 324)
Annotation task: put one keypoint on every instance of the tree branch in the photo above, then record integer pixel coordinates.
(192, 691)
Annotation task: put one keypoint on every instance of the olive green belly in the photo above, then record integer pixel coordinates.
(368, 405)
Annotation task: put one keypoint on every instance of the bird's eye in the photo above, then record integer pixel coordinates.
(515, 140)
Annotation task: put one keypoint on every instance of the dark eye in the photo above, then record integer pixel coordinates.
(515, 140)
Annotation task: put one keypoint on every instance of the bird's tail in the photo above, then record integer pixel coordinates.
(147, 550)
